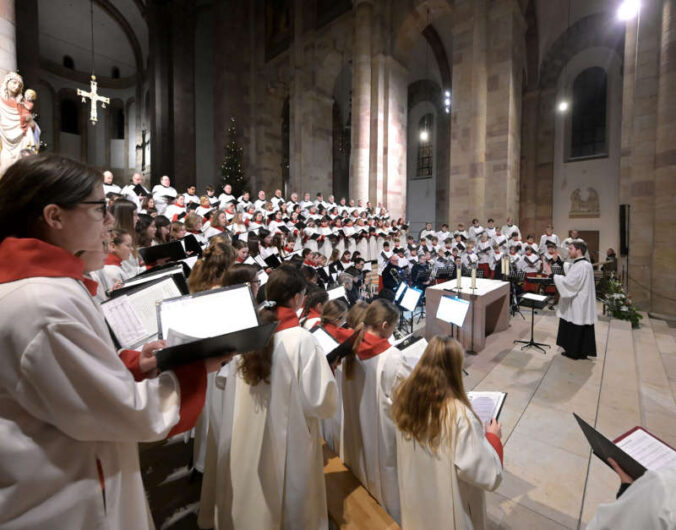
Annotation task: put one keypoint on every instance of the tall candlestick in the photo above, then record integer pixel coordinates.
(459, 282)
(473, 278)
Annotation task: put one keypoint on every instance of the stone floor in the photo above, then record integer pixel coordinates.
(551, 480)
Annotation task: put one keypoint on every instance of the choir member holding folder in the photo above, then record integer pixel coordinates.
(264, 465)
(445, 461)
(71, 411)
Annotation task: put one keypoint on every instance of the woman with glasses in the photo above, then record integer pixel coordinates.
(71, 409)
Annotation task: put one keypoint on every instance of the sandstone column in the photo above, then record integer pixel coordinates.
(468, 118)
(639, 126)
(361, 101)
(664, 253)
(7, 37)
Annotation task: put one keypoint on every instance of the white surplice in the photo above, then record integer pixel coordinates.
(650, 502)
(66, 402)
(368, 439)
(445, 490)
(577, 302)
(264, 463)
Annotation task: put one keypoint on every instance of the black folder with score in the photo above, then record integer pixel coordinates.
(173, 251)
(338, 349)
(242, 341)
(604, 449)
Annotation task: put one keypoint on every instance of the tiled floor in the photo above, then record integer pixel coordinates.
(551, 479)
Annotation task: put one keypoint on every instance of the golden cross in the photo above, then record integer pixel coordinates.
(94, 96)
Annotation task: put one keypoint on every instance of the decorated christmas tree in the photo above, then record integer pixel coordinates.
(231, 168)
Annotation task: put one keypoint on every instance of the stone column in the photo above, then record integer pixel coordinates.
(394, 145)
(8, 37)
(505, 28)
(468, 114)
(664, 252)
(361, 101)
(639, 126)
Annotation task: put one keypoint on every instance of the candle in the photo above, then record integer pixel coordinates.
(505, 266)
(473, 278)
(459, 282)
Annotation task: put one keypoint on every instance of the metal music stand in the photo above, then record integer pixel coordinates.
(533, 304)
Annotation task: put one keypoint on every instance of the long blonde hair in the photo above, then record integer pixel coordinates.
(424, 405)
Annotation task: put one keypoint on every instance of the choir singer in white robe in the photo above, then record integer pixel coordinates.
(71, 409)
(577, 305)
(264, 463)
(445, 461)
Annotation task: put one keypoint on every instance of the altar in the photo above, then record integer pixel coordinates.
(488, 312)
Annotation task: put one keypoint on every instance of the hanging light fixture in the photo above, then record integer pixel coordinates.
(447, 101)
(628, 10)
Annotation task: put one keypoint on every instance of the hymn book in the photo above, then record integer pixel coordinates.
(333, 349)
(635, 451)
(210, 324)
(487, 405)
(412, 348)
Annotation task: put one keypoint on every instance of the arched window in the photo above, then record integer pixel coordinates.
(588, 129)
(70, 116)
(115, 72)
(68, 62)
(425, 147)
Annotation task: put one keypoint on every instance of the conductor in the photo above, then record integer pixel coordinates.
(577, 305)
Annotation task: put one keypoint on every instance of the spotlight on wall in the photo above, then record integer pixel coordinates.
(447, 101)
(424, 135)
(562, 106)
(628, 10)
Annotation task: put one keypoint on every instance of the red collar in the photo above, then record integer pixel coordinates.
(194, 232)
(22, 258)
(113, 259)
(287, 318)
(340, 334)
(372, 345)
(313, 314)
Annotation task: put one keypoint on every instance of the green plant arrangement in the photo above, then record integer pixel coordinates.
(619, 303)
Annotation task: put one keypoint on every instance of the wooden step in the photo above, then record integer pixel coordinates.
(350, 504)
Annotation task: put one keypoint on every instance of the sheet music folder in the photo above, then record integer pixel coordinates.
(336, 350)
(173, 250)
(241, 341)
(604, 449)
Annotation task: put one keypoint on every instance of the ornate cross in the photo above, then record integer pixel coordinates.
(142, 147)
(94, 96)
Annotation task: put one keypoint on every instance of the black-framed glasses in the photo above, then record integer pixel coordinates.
(103, 206)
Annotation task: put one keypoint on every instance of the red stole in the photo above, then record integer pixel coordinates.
(372, 345)
(22, 258)
(287, 318)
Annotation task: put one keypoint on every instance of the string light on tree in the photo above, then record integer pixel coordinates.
(447, 101)
(231, 168)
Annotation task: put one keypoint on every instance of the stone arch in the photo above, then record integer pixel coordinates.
(597, 30)
(415, 23)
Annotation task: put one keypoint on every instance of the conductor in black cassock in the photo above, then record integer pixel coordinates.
(577, 305)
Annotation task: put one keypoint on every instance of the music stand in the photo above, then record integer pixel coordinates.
(533, 304)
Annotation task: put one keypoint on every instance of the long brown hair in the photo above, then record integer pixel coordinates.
(284, 283)
(378, 312)
(334, 312)
(211, 269)
(424, 405)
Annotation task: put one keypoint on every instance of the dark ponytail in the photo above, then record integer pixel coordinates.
(284, 283)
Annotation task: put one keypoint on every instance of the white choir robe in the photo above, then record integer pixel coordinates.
(495, 260)
(264, 462)
(111, 188)
(113, 274)
(350, 242)
(368, 435)
(311, 322)
(484, 251)
(650, 502)
(577, 302)
(310, 243)
(530, 264)
(67, 400)
(326, 248)
(373, 247)
(544, 238)
(363, 245)
(445, 490)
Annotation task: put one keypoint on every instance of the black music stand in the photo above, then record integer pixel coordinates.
(515, 278)
(533, 304)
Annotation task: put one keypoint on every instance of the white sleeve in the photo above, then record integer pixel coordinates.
(475, 459)
(570, 284)
(71, 378)
(319, 392)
